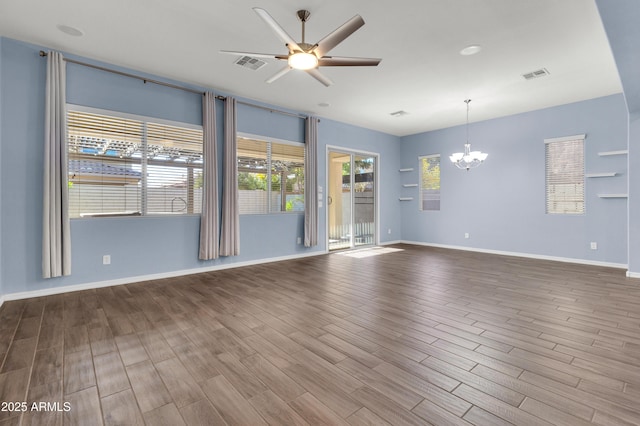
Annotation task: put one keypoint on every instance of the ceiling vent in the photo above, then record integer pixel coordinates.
(398, 113)
(250, 63)
(536, 74)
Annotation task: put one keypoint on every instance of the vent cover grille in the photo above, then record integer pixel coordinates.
(542, 72)
(250, 63)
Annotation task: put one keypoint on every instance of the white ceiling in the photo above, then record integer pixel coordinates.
(419, 41)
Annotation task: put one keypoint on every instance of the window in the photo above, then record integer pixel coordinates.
(125, 165)
(430, 182)
(564, 159)
(270, 176)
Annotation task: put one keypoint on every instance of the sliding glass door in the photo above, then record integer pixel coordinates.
(351, 200)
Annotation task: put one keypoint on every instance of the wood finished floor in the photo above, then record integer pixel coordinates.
(418, 336)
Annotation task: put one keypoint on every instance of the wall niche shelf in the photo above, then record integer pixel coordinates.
(410, 185)
(410, 169)
(607, 153)
(405, 198)
(613, 195)
(599, 175)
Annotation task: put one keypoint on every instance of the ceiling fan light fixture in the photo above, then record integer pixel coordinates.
(303, 61)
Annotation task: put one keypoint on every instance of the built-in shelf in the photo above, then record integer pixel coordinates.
(410, 185)
(620, 152)
(410, 169)
(599, 175)
(405, 198)
(613, 195)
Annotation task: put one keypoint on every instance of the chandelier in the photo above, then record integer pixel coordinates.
(468, 159)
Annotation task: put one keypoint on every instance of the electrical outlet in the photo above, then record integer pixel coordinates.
(594, 245)
(106, 259)
(389, 231)
(299, 240)
(466, 235)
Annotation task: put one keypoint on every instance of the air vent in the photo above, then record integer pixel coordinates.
(251, 63)
(399, 113)
(536, 74)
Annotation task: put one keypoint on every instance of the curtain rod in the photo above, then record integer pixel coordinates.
(173, 86)
(146, 80)
(292, 114)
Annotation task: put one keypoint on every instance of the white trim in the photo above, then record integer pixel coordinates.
(613, 195)
(633, 274)
(566, 138)
(388, 243)
(130, 280)
(377, 174)
(527, 255)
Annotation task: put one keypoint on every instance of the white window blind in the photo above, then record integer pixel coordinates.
(270, 176)
(119, 165)
(564, 170)
(430, 182)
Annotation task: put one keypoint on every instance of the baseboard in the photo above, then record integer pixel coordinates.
(527, 255)
(139, 278)
(633, 274)
(387, 243)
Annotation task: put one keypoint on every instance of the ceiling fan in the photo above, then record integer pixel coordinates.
(308, 57)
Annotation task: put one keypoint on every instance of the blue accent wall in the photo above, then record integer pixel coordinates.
(1, 132)
(620, 20)
(138, 246)
(501, 204)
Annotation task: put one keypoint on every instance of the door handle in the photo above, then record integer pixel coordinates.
(329, 200)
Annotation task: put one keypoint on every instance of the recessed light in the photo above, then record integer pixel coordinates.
(324, 104)
(471, 50)
(72, 31)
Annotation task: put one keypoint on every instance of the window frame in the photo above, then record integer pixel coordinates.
(580, 169)
(268, 173)
(144, 186)
(420, 188)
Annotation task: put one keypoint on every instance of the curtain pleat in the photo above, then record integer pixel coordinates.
(56, 235)
(230, 230)
(311, 182)
(209, 225)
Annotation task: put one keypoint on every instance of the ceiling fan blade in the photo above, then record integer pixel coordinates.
(318, 76)
(337, 61)
(282, 34)
(279, 74)
(336, 37)
(254, 54)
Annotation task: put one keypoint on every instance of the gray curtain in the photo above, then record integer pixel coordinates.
(56, 235)
(209, 216)
(311, 182)
(230, 231)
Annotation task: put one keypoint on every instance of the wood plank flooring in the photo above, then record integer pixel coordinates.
(409, 337)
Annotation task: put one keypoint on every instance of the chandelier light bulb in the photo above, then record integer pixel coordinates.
(468, 159)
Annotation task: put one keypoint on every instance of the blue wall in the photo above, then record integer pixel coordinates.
(501, 204)
(138, 246)
(1, 132)
(620, 21)
(634, 193)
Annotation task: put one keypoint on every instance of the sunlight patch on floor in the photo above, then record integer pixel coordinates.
(368, 252)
